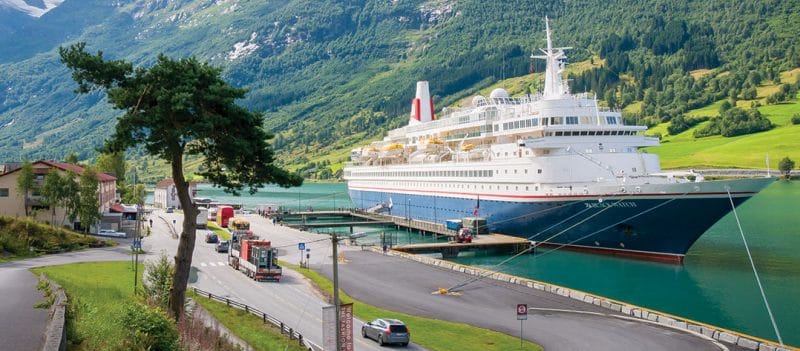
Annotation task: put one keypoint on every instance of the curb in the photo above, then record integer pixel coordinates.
(720, 334)
(56, 334)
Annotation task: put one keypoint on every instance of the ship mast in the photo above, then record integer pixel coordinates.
(554, 86)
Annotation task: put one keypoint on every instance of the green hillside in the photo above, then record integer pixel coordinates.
(329, 75)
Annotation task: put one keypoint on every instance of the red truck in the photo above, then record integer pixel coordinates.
(255, 258)
(224, 214)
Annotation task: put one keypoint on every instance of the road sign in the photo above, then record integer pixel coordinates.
(301, 246)
(522, 311)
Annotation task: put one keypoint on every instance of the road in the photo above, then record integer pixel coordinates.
(21, 326)
(555, 322)
(293, 300)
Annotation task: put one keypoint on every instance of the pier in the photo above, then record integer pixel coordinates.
(482, 242)
(489, 242)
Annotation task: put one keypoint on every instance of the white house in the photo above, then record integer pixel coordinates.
(166, 195)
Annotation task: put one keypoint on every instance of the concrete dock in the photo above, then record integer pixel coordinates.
(488, 242)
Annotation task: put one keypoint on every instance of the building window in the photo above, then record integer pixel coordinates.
(3, 192)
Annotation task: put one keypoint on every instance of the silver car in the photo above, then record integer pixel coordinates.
(387, 331)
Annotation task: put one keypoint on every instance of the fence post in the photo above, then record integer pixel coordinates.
(291, 334)
(300, 339)
(281, 328)
(247, 308)
(228, 302)
(264, 316)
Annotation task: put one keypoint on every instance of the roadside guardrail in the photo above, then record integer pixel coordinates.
(293, 335)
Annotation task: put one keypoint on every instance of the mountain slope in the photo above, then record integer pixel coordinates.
(328, 74)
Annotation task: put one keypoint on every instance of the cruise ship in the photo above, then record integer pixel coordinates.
(554, 167)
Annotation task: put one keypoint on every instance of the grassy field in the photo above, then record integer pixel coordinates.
(222, 233)
(432, 334)
(248, 327)
(98, 291)
(24, 238)
(745, 151)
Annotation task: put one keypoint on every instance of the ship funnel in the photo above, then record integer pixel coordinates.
(422, 106)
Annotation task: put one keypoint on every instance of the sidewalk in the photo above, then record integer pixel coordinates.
(21, 326)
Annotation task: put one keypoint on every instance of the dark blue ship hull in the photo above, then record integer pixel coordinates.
(656, 226)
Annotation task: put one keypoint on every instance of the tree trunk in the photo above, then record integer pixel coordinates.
(183, 258)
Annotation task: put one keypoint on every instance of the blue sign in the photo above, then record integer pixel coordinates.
(301, 246)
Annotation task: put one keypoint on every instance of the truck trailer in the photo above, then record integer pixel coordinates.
(202, 218)
(255, 258)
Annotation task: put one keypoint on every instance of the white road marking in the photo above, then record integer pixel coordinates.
(212, 264)
(202, 264)
(220, 263)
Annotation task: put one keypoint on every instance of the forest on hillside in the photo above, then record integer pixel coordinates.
(332, 75)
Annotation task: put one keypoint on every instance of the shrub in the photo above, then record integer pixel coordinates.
(796, 118)
(158, 280)
(149, 328)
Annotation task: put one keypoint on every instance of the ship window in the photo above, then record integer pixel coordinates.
(496, 127)
(526, 171)
(572, 119)
(633, 169)
(611, 120)
(506, 153)
(559, 133)
(516, 188)
(528, 123)
(505, 171)
(544, 121)
(584, 133)
(536, 188)
(607, 132)
(506, 187)
(556, 120)
(539, 171)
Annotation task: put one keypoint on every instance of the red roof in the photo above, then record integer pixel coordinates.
(103, 177)
(117, 208)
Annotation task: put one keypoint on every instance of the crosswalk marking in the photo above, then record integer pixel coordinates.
(212, 264)
(202, 264)
(221, 263)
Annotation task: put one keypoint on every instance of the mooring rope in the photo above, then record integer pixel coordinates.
(752, 265)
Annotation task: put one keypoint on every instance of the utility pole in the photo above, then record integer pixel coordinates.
(335, 243)
(137, 235)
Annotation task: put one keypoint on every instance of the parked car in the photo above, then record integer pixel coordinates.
(111, 232)
(212, 238)
(387, 331)
(170, 209)
(222, 246)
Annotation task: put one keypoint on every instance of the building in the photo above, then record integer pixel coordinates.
(12, 202)
(166, 195)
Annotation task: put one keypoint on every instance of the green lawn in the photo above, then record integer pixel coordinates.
(432, 334)
(248, 327)
(98, 292)
(744, 151)
(222, 233)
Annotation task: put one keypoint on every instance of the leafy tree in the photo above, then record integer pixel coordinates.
(52, 192)
(25, 183)
(135, 194)
(179, 108)
(113, 163)
(72, 158)
(786, 165)
(71, 200)
(89, 206)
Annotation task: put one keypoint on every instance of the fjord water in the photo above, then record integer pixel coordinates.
(714, 285)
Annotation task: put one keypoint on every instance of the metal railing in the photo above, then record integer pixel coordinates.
(293, 335)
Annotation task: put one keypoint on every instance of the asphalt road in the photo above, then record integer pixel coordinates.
(555, 322)
(293, 300)
(22, 326)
